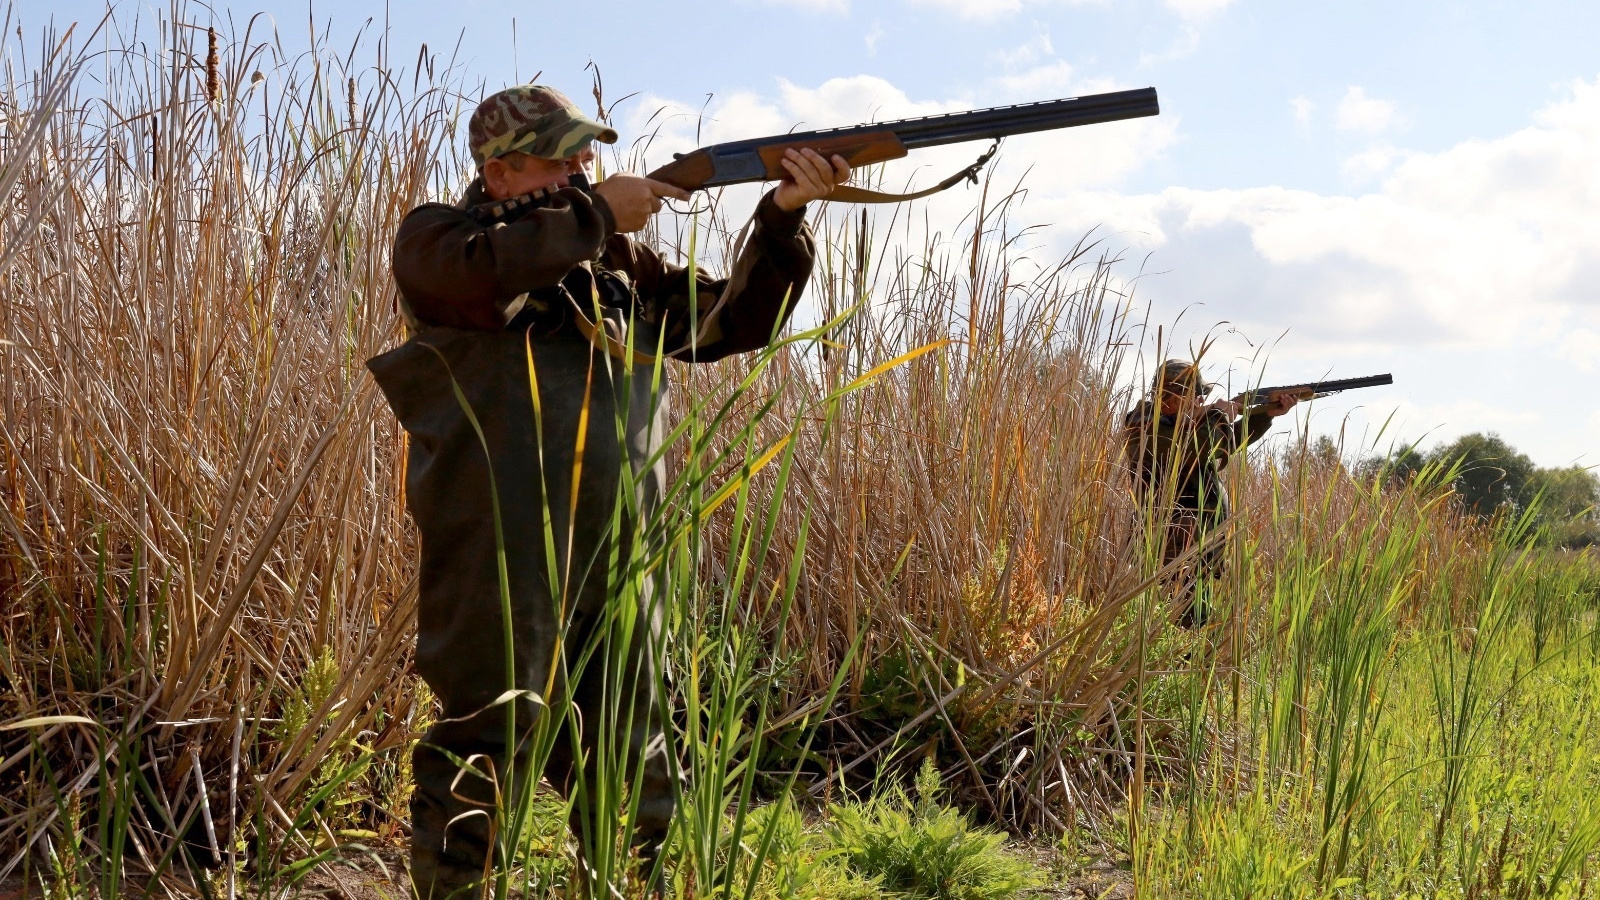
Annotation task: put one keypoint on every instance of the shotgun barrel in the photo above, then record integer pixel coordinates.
(1258, 396)
(756, 159)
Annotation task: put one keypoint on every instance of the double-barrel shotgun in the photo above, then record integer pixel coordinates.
(759, 159)
(1311, 389)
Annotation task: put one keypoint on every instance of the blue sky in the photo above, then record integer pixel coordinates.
(1410, 187)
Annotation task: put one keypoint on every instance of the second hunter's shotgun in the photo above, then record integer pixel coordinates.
(757, 159)
(1312, 389)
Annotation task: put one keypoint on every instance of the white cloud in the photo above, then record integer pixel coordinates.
(1358, 112)
(1045, 82)
(1431, 424)
(1483, 242)
(1031, 71)
(994, 9)
(1302, 107)
(974, 9)
(746, 114)
(833, 7)
(1192, 11)
(1182, 47)
(872, 37)
(1197, 9)
(1581, 347)
(1030, 53)
(1370, 164)
(1459, 416)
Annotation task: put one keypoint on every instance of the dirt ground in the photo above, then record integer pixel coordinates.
(380, 875)
(362, 879)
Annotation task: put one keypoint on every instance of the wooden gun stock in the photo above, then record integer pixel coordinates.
(706, 167)
(858, 150)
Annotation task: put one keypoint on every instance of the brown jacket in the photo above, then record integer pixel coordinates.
(476, 265)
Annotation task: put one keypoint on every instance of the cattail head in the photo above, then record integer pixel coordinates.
(213, 83)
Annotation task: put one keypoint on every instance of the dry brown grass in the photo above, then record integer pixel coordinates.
(200, 495)
(969, 509)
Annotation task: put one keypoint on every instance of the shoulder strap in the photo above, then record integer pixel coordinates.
(844, 193)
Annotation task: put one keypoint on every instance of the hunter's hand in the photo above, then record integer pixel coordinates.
(634, 199)
(810, 178)
(1229, 408)
(1278, 404)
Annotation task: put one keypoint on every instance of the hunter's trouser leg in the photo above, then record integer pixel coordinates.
(1182, 534)
(460, 653)
(655, 789)
(631, 723)
(452, 811)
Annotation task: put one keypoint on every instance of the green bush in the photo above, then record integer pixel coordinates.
(921, 849)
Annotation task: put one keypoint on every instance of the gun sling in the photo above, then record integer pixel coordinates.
(845, 193)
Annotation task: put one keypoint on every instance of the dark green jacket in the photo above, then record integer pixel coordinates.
(1177, 464)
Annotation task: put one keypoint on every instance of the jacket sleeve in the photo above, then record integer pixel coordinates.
(1143, 445)
(1226, 437)
(1215, 436)
(1253, 428)
(454, 271)
(737, 314)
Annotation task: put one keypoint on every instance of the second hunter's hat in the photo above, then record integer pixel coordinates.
(1180, 373)
(533, 119)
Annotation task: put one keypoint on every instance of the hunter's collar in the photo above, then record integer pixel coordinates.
(502, 210)
(476, 201)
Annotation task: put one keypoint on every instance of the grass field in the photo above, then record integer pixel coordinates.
(913, 607)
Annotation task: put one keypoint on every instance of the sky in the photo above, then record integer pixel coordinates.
(1331, 189)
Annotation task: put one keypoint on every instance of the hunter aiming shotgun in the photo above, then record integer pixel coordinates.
(759, 159)
(1312, 389)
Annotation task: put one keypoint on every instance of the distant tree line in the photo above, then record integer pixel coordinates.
(1490, 477)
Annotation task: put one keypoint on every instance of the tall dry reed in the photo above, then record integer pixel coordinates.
(201, 498)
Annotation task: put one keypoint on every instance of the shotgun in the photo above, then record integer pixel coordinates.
(1309, 390)
(757, 159)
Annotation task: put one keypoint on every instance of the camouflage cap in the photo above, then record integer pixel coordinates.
(532, 119)
(1180, 374)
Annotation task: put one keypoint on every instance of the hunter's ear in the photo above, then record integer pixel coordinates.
(494, 174)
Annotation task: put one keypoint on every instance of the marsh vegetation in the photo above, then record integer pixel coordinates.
(914, 607)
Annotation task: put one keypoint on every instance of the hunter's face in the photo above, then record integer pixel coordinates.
(1175, 403)
(516, 174)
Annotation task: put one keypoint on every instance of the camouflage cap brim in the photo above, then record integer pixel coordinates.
(563, 140)
(532, 119)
